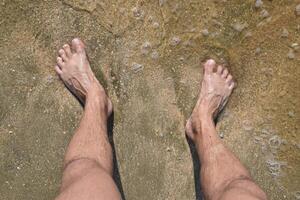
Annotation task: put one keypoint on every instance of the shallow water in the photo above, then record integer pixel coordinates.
(148, 55)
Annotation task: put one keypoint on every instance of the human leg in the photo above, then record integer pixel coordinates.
(222, 174)
(88, 165)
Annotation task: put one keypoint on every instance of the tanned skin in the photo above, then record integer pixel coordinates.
(88, 165)
(223, 177)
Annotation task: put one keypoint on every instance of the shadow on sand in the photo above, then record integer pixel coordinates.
(116, 173)
(196, 166)
(117, 178)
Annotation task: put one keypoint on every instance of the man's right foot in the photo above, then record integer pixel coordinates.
(74, 69)
(215, 91)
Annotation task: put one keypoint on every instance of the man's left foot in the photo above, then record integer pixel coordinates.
(217, 85)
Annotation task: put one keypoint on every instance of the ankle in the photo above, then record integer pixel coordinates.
(204, 114)
(205, 111)
(96, 96)
(198, 124)
(95, 88)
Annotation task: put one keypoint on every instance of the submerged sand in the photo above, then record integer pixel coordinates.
(148, 54)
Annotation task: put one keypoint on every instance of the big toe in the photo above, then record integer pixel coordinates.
(78, 45)
(209, 66)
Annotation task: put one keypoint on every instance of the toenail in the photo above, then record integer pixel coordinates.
(211, 62)
(76, 40)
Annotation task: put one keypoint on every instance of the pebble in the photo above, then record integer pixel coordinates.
(222, 135)
(284, 142)
(265, 132)
(162, 2)
(257, 50)
(175, 8)
(256, 138)
(291, 54)
(122, 10)
(138, 13)
(264, 13)
(175, 41)
(150, 19)
(145, 48)
(297, 10)
(50, 79)
(282, 93)
(258, 3)
(239, 27)
(285, 33)
(291, 114)
(155, 25)
(155, 55)
(248, 34)
(216, 22)
(10, 132)
(161, 134)
(205, 32)
(136, 67)
(295, 46)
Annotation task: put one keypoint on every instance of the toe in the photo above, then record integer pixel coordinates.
(77, 45)
(225, 73)
(229, 79)
(63, 55)
(58, 70)
(67, 49)
(220, 70)
(60, 62)
(232, 85)
(209, 66)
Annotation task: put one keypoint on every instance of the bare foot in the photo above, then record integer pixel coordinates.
(215, 91)
(74, 70)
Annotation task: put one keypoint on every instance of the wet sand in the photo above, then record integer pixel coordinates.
(148, 55)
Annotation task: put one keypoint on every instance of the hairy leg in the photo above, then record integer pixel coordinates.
(222, 174)
(88, 164)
